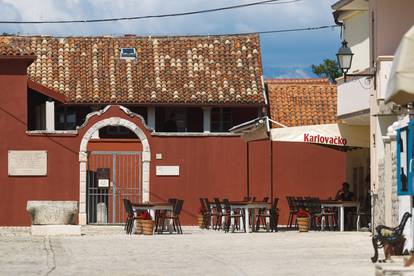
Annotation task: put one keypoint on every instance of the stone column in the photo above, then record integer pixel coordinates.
(50, 115)
(83, 158)
(387, 181)
(151, 117)
(206, 119)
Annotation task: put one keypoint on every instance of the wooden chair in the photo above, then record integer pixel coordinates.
(391, 239)
(228, 215)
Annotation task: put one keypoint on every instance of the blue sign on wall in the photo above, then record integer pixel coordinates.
(405, 160)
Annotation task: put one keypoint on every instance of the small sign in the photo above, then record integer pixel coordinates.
(103, 183)
(168, 170)
(103, 177)
(27, 162)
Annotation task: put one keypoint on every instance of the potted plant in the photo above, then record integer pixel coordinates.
(147, 223)
(200, 219)
(303, 220)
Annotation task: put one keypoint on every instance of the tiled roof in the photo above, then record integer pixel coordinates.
(196, 70)
(298, 102)
(12, 50)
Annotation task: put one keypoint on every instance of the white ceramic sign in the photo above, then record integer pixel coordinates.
(168, 170)
(27, 162)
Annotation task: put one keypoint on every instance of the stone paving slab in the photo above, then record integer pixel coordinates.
(197, 252)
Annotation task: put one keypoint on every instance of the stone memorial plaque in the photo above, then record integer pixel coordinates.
(168, 170)
(27, 162)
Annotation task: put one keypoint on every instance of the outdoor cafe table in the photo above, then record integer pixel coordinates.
(341, 205)
(246, 206)
(151, 207)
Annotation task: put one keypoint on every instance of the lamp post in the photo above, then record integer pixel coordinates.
(344, 57)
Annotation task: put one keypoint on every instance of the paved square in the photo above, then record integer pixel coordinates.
(197, 252)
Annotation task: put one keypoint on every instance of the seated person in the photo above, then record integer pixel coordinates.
(344, 193)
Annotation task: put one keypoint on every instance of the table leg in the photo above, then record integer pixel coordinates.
(341, 214)
(247, 218)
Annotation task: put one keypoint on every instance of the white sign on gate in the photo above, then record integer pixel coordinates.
(27, 162)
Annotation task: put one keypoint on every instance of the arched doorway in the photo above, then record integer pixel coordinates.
(83, 159)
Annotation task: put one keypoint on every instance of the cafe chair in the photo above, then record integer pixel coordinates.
(206, 213)
(261, 211)
(272, 214)
(160, 213)
(129, 222)
(321, 217)
(293, 210)
(174, 216)
(218, 214)
(229, 215)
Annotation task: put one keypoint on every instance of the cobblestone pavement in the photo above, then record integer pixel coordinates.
(197, 252)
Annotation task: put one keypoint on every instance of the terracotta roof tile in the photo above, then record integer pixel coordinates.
(11, 49)
(298, 102)
(196, 70)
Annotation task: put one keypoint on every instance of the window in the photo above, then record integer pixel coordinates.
(36, 111)
(116, 132)
(175, 120)
(221, 119)
(405, 160)
(69, 117)
(128, 53)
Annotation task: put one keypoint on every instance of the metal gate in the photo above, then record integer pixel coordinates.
(111, 177)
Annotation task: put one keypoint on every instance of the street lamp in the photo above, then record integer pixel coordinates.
(344, 57)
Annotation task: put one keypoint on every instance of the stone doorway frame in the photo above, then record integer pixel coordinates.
(83, 158)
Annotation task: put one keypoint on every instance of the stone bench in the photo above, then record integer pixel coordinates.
(53, 217)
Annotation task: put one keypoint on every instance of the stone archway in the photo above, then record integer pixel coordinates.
(83, 157)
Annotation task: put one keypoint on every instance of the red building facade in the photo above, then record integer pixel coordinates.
(170, 102)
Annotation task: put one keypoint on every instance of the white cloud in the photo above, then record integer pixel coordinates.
(302, 13)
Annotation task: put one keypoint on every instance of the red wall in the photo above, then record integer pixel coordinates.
(306, 170)
(62, 174)
(209, 166)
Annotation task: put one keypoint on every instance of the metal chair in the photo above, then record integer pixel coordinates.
(293, 209)
(273, 214)
(129, 222)
(206, 213)
(229, 215)
(174, 216)
(218, 214)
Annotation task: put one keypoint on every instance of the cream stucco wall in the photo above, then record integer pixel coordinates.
(356, 33)
(392, 19)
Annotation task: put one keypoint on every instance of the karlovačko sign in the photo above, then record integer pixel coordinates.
(319, 139)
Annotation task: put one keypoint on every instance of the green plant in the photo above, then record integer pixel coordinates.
(329, 68)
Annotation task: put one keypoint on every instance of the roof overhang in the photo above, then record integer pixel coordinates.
(401, 81)
(327, 134)
(45, 91)
(254, 130)
(350, 5)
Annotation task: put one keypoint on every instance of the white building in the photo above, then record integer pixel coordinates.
(373, 30)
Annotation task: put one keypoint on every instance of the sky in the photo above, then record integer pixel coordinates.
(284, 55)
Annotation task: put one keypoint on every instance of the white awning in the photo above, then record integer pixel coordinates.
(328, 134)
(401, 82)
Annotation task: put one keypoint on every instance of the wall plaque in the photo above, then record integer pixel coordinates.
(27, 162)
(168, 170)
